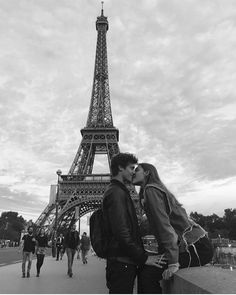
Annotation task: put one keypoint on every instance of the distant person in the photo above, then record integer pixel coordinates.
(125, 247)
(28, 246)
(41, 244)
(71, 244)
(180, 239)
(59, 246)
(84, 246)
(216, 256)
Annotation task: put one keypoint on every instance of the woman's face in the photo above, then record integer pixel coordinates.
(139, 176)
(42, 231)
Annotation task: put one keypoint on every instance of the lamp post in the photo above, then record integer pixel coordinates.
(56, 216)
(57, 200)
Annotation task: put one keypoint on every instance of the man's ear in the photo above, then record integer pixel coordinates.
(120, 168)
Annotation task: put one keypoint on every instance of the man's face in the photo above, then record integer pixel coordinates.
(73, 228)
(128, 172)
(30, 230)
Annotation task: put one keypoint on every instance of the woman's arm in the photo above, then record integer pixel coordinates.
(36, 245)
(156, 211)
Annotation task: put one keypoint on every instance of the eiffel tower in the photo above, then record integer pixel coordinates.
(80, 192)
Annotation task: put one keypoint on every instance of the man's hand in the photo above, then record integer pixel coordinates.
(157, 260)
(168, 273)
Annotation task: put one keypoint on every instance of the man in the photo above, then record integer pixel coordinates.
(71, 244)
(59, 246)
(125, 249)
(84, 246)
(28, 245)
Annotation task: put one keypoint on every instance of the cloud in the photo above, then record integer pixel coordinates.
(172, 84)
(215, 192)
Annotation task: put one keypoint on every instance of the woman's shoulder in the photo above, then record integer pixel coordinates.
(155, 189)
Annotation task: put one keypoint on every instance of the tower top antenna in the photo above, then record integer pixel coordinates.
(102, 8)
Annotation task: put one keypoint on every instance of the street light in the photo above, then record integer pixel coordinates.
(230, 257)
(57, 199)
(56, 216)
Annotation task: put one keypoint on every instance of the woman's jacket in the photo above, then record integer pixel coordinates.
(169, 222)
(125, 243)
(72, 240)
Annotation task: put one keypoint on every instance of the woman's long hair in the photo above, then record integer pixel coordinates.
(40, 231)
(153, 178)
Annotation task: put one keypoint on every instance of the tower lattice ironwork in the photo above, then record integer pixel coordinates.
(80, 191)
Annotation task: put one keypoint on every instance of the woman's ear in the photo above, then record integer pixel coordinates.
(146, 173)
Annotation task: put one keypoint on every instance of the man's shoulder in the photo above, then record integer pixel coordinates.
(115, 189)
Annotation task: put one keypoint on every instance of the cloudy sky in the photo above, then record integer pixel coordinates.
(172, 73)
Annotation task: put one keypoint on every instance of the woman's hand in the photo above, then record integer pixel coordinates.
(168, 273)
(156, 260)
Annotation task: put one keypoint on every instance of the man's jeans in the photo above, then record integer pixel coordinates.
(149, 276)
(120, 277)
(27, 256)
(84, 255)
(70, 255)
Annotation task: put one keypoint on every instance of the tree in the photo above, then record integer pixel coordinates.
(11, 226)
(198, 218)
(228, 216)
(232, 229)
(213, 224)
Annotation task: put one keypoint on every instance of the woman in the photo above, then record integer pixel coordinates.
(180, 239)
(41, 244)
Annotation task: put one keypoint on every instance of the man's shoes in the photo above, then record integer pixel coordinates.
(23, 275)
(70, 275)
(28, 274)
(57, 259)
(37, 275)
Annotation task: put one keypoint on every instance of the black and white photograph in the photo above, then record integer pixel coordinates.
(118, 147)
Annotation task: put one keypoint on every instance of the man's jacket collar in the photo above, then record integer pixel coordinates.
(120, 184)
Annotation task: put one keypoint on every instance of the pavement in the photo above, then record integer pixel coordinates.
(87, 278)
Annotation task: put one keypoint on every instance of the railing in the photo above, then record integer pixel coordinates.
(225, 257)
(86, 178)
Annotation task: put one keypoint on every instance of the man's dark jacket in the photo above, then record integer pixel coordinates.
(122, 224)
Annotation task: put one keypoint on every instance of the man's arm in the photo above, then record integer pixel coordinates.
(21, 245)
(78, 243)
(119, 220)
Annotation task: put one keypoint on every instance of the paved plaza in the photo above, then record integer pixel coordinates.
(87, 279)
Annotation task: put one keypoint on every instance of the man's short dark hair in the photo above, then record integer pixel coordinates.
(123, 160)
